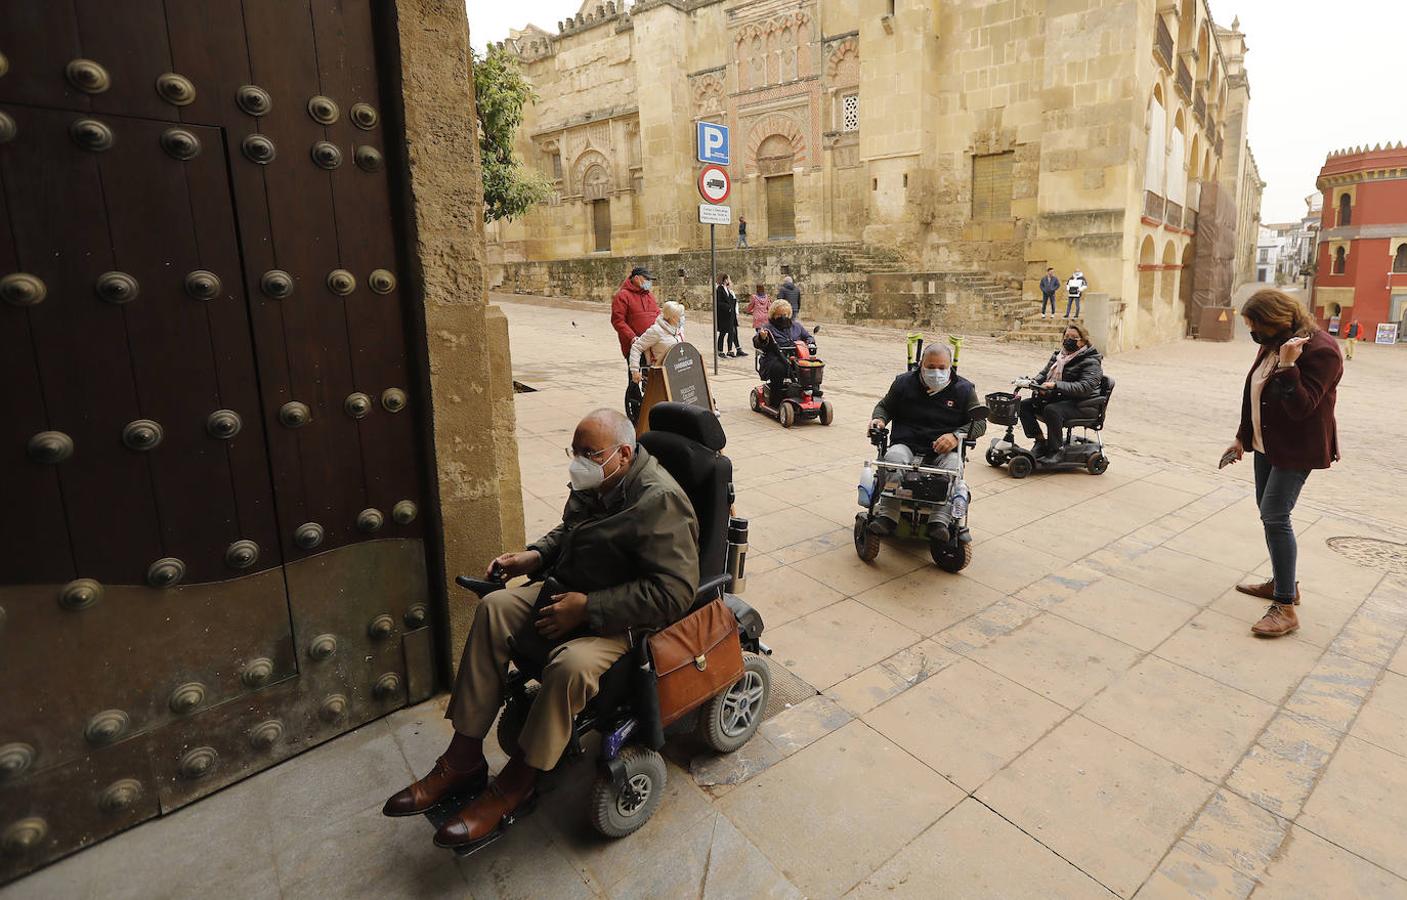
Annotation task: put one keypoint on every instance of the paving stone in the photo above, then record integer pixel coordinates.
(1234, 832)
(841, 569)
(736, 868)
(887, 797)
(1185, 872)
(1058, 659)
(1183, 716)
(832, 644)
(974, 853)
(786, 593)
(804, 724)
(1224, 649)
(1358, 804)
(1281, 768)
(713, 769)
(800, 554)
(997, 620)
(1383, 719)
(928, 599)
(966, 722)
(1176, 574)
(1008, 566)
(1334, 690)
(1107, 806)
(1309, 866)
(1127, 612)
(888, 678)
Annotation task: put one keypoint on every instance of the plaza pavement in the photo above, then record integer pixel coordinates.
(1081, 713)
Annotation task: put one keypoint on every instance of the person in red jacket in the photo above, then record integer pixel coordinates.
(633, 310)
(1287, 419)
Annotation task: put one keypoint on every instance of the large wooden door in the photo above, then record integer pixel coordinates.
(601, 225)
(208, 436)
(781, 210)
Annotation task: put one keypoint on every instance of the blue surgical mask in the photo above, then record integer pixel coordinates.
(646, 284)
(935, 379)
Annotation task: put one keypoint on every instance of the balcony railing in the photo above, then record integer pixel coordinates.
(1174, 215)
(1199, 108)
(1189, 219)
(1163, 43)
(1184, 80)
(1152, 205)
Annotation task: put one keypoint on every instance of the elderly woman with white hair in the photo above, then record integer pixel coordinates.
(657, 340)
(927, 408)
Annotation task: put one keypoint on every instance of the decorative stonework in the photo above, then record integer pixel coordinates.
(708, 92)
(843, 63)
(776, 125)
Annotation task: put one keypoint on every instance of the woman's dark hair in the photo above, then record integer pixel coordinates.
(761, 290)
(1276, 309)
(1082, 331)
(722, 277)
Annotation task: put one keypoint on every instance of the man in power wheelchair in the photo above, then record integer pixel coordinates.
(621, 611)
(916, 488)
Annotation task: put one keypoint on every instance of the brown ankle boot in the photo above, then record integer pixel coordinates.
(436, 786)
(513, 789)
(1266, 591)
(1278, 621)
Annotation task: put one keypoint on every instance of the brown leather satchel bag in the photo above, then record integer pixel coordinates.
(695, 659)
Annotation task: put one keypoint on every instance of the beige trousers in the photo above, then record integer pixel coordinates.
(571, 678)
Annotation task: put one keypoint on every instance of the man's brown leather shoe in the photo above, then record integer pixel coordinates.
(482, 817)
(1266, 591)
(1278, 621)
(439, 784)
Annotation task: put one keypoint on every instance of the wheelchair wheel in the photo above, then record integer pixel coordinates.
(866, 543)
(994, 458)
(616, 813)
(753, 401)
(827, 412)
(730, 720)
(787, 414)
(512, 719)
(1097, 464)
(950, 556)
(1020, 466)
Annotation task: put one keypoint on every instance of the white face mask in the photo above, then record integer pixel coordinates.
(646, 284)
(587, 474)
(934, 379)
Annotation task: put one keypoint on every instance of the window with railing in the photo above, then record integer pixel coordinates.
(1184, 80)
(1199, 109)
(1173, 215)
(1163, 43)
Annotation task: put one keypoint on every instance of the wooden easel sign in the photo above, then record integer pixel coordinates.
(680, 378)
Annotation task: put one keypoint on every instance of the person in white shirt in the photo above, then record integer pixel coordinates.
(1074, 290)
(650, 347)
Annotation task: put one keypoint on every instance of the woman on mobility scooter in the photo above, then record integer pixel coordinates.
(916, 488)
(786, 358)
(1071, 392)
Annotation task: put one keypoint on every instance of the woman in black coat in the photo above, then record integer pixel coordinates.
(725, 308)
(1072, 375)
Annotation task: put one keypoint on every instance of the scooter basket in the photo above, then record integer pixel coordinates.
(1004, 407)
(809, 373)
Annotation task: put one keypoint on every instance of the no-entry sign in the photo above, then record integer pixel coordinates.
(714, 185)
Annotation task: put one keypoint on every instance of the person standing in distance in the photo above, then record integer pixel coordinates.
(1049, 285)
(1287, 420)
(633, 310)
(742, 233)
(792, 294)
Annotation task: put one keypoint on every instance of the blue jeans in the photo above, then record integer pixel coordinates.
(1276, 492)
(1048, 297)
(1069, 302)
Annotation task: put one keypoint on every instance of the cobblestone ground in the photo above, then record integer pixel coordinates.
(1080, 713)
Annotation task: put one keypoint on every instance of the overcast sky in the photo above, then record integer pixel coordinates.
(1323, 76)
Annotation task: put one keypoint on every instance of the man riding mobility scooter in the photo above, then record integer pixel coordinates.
(703, 671)
(786, 361)
(914, 489)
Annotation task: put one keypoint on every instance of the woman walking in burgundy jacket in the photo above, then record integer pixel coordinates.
(1287, 419)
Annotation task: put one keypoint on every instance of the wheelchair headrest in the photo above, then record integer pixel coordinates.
(692, 422)
(1106, 385)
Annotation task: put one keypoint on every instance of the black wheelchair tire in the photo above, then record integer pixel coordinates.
(827, 412)
(713, 727)
(1097, 464)
(950, 556)
(866, 543)
(644, 768)
(787, 414)
(995, 459)
(1020, 466)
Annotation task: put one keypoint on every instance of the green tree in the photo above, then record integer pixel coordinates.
(510, 188)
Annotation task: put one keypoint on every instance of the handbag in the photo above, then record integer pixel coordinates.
(695, 659)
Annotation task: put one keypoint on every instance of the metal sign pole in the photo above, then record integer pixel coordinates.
(713, 291)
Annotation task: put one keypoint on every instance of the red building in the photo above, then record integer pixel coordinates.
(1362, 254)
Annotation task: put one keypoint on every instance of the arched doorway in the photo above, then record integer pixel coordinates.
(596, 185)
(1167, 308)
(1147, 290)
(775, 156)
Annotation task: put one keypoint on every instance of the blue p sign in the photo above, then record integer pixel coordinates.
(713, 143)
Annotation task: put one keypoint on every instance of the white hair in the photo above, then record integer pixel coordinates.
(936, 349)
(616, 425)
(672, 308)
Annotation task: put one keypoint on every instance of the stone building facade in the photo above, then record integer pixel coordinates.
(988, 138)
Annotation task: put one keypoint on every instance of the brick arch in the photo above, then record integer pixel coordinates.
(779, 125)
(843, 64)
(586, 161)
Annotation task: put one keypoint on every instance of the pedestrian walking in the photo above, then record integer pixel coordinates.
(759, 306)
(1287, 421)
(1074, 289)
(792, 294)
(633, 310)
(1351, 335)
(725, 310)
(742, 232)
(1049, 285)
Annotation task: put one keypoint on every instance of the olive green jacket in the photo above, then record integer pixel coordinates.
(634, 553)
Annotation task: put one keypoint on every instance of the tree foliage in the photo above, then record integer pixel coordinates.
(501, 92)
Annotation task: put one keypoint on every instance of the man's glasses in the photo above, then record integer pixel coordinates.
(593, 455)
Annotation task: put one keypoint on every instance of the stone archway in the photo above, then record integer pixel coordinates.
(1171, 270)
(1147, 290)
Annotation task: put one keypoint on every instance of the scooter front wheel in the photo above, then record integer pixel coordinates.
(1020, 466)
(866, 542)
(787, 414)
(1097, 464)
(995, 459)
(950, 556)
(753, 401)
(827, 412)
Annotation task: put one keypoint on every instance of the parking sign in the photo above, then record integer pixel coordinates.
(713, 143)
